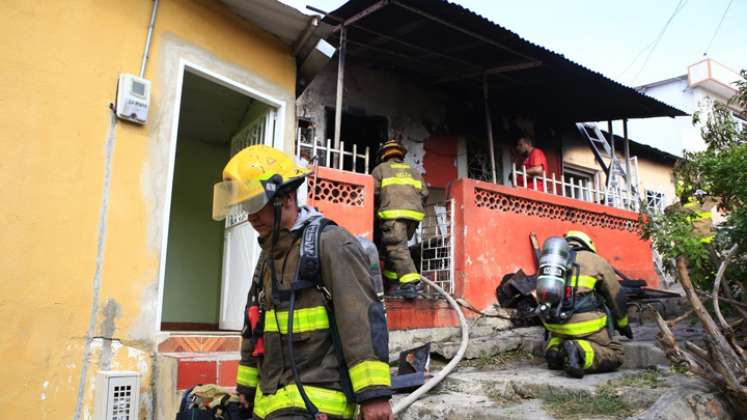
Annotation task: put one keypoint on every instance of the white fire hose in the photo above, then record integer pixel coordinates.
(404, 403)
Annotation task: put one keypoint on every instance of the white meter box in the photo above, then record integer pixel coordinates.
(133, 98)
(116, 396)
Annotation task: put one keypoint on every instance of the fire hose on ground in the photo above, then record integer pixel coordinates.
(402, 405)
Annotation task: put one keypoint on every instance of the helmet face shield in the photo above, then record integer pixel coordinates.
(232, 197)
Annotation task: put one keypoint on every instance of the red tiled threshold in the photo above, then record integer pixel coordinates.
(207, 368)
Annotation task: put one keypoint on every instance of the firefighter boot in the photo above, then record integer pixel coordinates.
(408, 291)
(573, 363)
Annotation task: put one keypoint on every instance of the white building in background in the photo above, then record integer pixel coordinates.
(705, 81)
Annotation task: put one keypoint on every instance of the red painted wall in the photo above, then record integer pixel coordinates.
(439, 161)
(493, 223)
(345, 197)
(492, 226)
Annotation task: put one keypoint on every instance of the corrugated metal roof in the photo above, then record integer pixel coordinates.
(445, 44)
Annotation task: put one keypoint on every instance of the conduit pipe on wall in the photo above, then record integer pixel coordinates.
(149, 38)
(404, 403)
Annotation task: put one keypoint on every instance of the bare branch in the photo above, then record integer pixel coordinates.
(717, 287)
(731, 361)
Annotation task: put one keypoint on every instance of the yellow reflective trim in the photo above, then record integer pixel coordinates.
(578, 328)
(369, 373)
(401, 181)
(409, 278)
(391, 275)
(399, 166)
(622, 322)
(330, 402)
(707, 239)
(401, 214)
(304, 320)
(589, 353)
(247, 376)
(553, 342)
(584, 281)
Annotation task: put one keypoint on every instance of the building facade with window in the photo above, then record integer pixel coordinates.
(705, 82)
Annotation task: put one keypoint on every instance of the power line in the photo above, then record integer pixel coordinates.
(658, 38)
(718, 27)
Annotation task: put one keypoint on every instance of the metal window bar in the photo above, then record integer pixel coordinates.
(330, 157)
(436, 238)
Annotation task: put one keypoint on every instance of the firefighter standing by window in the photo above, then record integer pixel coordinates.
(582, 343)
(400, 193)
(315, 340)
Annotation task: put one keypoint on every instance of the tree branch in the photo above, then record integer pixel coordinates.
(717, 287)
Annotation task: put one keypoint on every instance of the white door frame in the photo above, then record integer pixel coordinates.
(277, 142)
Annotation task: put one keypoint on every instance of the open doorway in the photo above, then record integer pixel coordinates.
(362, 130)
(208, 264)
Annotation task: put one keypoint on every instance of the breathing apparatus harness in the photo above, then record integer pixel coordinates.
(556, 289)
(307, 276)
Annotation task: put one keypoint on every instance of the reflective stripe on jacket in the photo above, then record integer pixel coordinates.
(400, 190)
(360, 321)
(595, 274)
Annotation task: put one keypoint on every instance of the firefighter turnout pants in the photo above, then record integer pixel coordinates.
(601, 352)
(393, 236)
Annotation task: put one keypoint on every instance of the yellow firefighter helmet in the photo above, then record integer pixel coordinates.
(391, 148)
(581, 238)
(252, 178)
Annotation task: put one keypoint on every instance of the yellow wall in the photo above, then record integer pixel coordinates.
(651, 174)
(60, 65)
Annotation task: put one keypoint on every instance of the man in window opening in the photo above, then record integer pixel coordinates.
(400, 194)
(535, 162)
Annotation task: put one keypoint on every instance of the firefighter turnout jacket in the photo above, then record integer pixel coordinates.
(360, 322)
(595, 275)
(400, 190)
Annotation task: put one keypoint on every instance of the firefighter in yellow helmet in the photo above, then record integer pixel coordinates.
(582, 342)
(315, 340)
(400, 194)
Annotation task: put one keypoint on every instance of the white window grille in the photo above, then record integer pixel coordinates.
(436, 237)
(578, 187)
(655, 201)
(260, 131)
(330, 157)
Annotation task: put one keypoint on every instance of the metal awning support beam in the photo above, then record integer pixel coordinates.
(340, 85)
(492, 71)
(610, 171)
(462, 30)
(301, 41)
(489, 125)
(627, 157)
(358, 16)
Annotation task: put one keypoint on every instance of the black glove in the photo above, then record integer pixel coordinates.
(626, 331)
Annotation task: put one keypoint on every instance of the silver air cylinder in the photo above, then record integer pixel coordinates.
(553, 265)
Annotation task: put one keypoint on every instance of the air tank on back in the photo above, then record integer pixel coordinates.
(553, 265)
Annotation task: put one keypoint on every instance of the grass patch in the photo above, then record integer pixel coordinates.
(650, 378)
(501, 360)
(579, 405)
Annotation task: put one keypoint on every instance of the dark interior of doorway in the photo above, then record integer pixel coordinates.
(362, 130)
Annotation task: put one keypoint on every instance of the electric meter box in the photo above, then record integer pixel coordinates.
(133, 98)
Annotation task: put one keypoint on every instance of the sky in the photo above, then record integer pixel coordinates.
(616, 38)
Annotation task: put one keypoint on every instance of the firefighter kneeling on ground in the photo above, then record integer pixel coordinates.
(400, 193)
(580, 324)
(315, 340)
